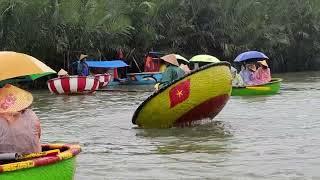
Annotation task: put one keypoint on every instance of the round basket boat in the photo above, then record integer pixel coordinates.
(57, 161)
(271, 88)
(104, 79)
(197, 96)
(73, 85)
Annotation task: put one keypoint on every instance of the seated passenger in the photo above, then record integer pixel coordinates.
(19, 126)
(236, 78)
(184, 66)
(247, 74)
(263, 74)
(172, 71)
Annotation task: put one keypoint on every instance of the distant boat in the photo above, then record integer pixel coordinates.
(144, 78)
(270, 88)
(108, 67)
(151, 73)
(202, 94)
(112, 67)
(73, 85)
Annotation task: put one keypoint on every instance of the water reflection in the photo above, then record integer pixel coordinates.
(208, 138)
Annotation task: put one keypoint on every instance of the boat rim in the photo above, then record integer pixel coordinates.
(273, 81)
(72, 76)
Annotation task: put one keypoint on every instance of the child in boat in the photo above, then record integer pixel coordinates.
(248, 74)
(19, 126)
(263, 74)
(172, 71)
(236, 78)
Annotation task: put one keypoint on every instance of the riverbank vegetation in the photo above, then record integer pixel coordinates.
(57, 31)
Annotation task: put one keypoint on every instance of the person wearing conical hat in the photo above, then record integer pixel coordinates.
(263, 74)
(19, 126)
(62, 73)
(172, 71)
(83, 68)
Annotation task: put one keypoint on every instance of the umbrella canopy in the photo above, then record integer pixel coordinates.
(17, 64)
(251, 55)
(204, 58)
(179, 57)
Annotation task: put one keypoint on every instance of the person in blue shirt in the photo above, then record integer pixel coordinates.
(83, 68)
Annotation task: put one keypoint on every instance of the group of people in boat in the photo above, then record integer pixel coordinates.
(173, 67)
(251, 74)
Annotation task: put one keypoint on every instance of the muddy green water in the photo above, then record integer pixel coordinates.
(267, 137)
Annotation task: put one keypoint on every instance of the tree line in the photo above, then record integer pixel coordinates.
(56, 30)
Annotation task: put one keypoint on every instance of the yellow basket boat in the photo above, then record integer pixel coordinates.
(199, 95)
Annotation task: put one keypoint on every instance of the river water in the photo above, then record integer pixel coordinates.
(266, 137)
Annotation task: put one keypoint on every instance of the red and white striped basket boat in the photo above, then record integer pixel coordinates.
(104, 79)
(73, 85)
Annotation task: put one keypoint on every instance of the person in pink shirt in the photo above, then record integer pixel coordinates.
(262, 75)
(20, 129)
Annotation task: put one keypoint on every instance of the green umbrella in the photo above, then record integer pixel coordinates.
(31, 77)
(204, 58)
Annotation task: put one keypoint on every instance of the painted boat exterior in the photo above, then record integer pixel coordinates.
(197, 96)
(270, 88)
(104, 79)
(53, 167)
(144, 78)
(73, 85)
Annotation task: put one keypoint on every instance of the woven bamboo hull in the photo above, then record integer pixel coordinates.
(208, 92)
(61, 166)
(266, 89)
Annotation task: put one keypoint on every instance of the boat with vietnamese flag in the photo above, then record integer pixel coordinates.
(202, 94)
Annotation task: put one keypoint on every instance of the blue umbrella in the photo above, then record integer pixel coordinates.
(251, 55)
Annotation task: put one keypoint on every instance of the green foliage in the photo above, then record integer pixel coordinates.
(287, 30)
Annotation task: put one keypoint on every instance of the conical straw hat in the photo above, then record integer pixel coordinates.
(62, 72)
(82, 56)
(170, 58)
(14, 99)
